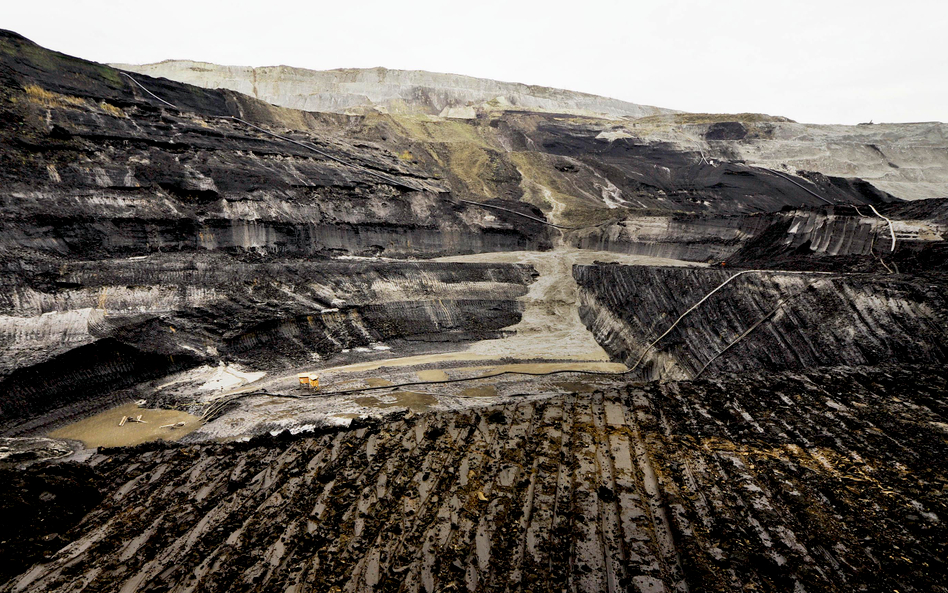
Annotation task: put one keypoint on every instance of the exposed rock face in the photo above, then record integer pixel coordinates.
(687, 237)
(711, 486)
(410, 91)
(141, 180)
(906, 160)
(836, 237)
(137, 239)
(760, 320)
(824, 238)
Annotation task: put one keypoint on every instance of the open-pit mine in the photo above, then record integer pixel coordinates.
(279, 330)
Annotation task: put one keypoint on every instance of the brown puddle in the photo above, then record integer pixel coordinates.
(414, 401)
(103, 430)
(433, 375)
(575, 386)
(480, 391)
(377, 382)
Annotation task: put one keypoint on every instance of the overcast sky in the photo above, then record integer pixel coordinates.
(825, 61)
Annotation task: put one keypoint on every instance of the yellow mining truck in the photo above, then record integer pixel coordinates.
(309, 380)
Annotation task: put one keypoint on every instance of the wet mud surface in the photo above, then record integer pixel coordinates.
(413, 400)
(818, 481)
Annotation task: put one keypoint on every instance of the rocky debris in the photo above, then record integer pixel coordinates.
(827, 480)
(39, 505)
(650, 318)
(21, 452)
(152, 232)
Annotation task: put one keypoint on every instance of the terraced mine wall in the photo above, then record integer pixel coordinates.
(144, 229)
(821, 238)
(760, 319)
(685, 237)
(72, 331)
(92, 167)
(853, 238)
(104, 224)
(906, 160)
(818, 481)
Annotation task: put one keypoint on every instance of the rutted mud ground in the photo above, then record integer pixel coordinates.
(830, 481)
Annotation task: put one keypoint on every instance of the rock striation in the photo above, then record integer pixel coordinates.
(812, 238)
(427, 248)
(138, 239)
(87, 328)
(657, 321)
(906, 160)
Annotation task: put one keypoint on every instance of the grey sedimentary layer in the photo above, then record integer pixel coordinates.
(907, 160)
(824, 238)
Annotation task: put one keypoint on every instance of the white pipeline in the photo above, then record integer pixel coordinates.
(683, 315)
(891, 228)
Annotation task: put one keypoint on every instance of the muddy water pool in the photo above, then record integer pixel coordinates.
(103, 430)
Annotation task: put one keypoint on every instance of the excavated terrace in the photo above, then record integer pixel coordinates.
(556, 352)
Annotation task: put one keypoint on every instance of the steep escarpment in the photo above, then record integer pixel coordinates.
(773, 418)
(712, 486)
(851, 237)
(71, 331)
(149, 226)
(658, 321)
(679, 236)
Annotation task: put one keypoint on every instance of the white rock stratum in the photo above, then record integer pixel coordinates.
(400, 91)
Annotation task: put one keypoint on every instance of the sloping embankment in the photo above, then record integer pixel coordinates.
(761, 319)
